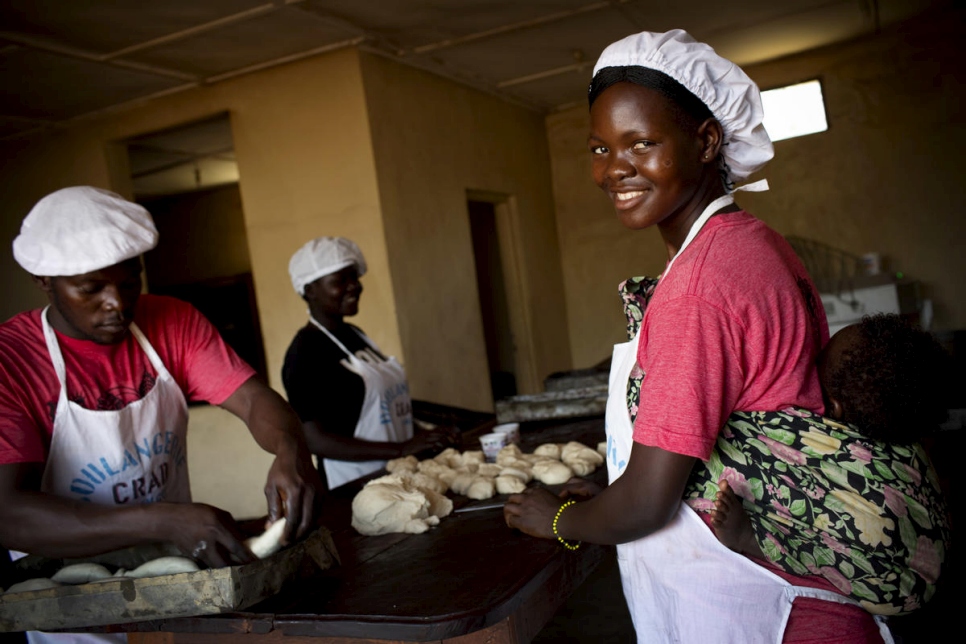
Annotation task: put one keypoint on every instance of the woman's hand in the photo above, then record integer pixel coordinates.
(579, 489)
(434, 439)
(532, 512)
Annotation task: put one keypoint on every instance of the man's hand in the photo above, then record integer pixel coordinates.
(293, 485)
(292, 491)
(202, 532)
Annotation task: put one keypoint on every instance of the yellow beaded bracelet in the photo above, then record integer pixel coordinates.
(568, 546)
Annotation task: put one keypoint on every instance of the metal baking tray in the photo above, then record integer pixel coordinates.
(121, 600)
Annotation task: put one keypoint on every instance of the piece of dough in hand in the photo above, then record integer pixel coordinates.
(269, 542)
(81, 573)
(163, 566)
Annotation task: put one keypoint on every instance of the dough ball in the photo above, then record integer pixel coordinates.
(581, 467)
(508, 484)
(461, 483)
(481, 488)
(38, 583)
(439, 505)
(551, 450)
(574, 450)
(473, 456)
(491, 470)
(163, 566)
(449, 457)
(406, 463)
(269, 542)
(524, 475)
(383, 508)
(552, 472)
(426, 482)
(509, 453)
(81, 573)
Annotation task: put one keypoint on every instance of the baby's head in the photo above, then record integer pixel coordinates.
(886, 377)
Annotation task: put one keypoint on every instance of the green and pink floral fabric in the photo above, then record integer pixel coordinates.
(823, 499)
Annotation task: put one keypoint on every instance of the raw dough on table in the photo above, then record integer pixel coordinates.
(407, 463)
(481, 488)
(548, 449)
(382, 508)
(552, 472)
(509, 484)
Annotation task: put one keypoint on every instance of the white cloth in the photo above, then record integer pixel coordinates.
(82, 229)
(131, 455)
(732, 97)
(681, 584)
(386, 414)
(323, 256)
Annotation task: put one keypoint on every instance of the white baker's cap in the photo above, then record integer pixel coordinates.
(323, 256)
(82, 229)
(732, 97)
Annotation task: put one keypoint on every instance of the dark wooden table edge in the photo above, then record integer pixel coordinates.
(566, 570)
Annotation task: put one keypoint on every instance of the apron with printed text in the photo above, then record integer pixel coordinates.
(681, 583)
(386, 414)
(136, 454)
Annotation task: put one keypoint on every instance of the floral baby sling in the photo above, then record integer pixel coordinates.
(823, 500)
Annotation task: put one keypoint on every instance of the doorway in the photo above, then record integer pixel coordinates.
(494, 306)
(188, 180)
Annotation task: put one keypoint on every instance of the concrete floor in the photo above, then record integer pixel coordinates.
(595, 614)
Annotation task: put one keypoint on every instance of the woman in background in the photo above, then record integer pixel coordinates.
(353, 401)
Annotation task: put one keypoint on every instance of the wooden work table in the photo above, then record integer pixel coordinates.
(469, 580)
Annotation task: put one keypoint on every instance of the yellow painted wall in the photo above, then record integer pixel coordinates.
(885, 177)
(302, 142)
(433, 142)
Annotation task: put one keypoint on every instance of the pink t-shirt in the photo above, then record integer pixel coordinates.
(106, 376)
(736, 325)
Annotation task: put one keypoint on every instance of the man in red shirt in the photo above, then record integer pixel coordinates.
(93, 399)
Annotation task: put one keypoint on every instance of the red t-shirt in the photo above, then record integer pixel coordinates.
(736, 326)
(106, 376)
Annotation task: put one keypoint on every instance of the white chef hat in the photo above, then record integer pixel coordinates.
(732, 97)
(82, 229)
(323, 256)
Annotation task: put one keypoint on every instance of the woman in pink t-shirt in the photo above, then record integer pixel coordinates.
(734, 324)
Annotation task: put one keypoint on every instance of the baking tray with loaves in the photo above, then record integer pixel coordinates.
(118, 600)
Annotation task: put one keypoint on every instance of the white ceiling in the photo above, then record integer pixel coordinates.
(62, 61)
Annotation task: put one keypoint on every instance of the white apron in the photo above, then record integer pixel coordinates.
(386, 414)
(681, 583)
(116, 457)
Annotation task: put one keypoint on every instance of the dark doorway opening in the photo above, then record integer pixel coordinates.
(491, 286)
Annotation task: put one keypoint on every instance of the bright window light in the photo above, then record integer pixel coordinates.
(794, 110)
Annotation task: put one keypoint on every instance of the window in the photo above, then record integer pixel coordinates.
(794, 110)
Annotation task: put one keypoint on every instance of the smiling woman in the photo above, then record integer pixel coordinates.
(353, 401)
(729, 326)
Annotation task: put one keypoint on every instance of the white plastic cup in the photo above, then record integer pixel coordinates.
(512, 430)
(492, 444)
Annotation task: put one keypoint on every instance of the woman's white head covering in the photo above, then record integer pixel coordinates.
(729, 93)
(323, 256)
(82, 229)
